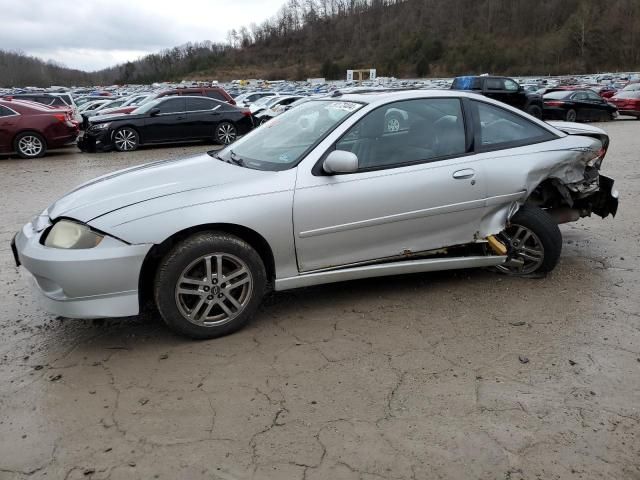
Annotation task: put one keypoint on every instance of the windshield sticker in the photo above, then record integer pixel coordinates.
(346, 106)
(284, 157)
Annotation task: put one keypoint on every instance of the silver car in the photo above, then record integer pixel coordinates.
(323, 193)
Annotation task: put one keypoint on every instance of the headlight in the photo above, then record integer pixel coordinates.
(68, 234)
(101, 126)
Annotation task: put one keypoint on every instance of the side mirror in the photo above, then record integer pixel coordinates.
(154, 111)
(340, 161)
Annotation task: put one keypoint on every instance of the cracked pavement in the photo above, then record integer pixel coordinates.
(412, 377)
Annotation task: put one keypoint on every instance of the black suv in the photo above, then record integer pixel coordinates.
(503, 89)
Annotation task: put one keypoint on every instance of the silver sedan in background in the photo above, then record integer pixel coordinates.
(323, 193)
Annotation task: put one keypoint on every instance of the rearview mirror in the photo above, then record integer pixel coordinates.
(154, 111)
(340, 161)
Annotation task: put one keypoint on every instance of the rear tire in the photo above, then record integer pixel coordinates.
(571, 115)
(30, 145)
(534, 242)
(209, 285)
(534, 111)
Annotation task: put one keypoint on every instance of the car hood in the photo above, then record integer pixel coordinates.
(138, 184)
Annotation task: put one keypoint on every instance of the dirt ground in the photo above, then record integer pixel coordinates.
(456, 375)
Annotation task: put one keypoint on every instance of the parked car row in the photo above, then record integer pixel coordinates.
(167, 120)
(30, 129)
(126, 112)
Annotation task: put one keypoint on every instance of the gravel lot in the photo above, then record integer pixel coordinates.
(456, 375)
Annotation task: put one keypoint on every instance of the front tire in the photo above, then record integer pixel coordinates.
(126, 139)
(209, 285)
(30, 145)
(534, 243)
(226, 133)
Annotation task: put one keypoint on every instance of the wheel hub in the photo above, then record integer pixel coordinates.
(213, 289)
(526, 252)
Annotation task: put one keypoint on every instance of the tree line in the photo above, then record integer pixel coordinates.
(403, 38)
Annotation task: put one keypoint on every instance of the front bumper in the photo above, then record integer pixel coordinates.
(91, 141)
(90, 283)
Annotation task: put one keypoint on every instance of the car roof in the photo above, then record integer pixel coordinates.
(385, 96)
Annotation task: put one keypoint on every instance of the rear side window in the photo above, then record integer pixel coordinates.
(215, 94)
(494, 84)
(195, 104)
(497, 128)
(172, 105)
(66, 99)
(5, 112)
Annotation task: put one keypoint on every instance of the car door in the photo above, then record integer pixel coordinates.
(599, 106)
(416, 189)
(495, 88)
(202, 116)
(584, 109)
(8, 122)
(169, 124)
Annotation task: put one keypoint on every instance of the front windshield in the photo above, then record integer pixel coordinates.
(282, 142)
(147, 106)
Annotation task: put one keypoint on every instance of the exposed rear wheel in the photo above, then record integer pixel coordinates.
(534, 242)
(30, 145)
(209, 285)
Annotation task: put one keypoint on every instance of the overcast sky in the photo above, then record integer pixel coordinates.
(93, 34)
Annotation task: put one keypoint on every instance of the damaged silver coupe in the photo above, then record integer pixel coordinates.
(336, 189)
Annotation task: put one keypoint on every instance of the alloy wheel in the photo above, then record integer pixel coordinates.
(125, 140)
(226, 133)
(30, 146)
(526, 251)
(214, 289)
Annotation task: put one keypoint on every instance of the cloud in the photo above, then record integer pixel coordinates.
(98, 33)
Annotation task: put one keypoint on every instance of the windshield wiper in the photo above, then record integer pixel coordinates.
(233, 157)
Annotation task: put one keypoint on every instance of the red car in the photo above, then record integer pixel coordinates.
(30, 129)
(628, 102)
(217, 93)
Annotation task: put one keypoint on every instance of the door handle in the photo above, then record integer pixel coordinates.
(464, 174)
(181, 117)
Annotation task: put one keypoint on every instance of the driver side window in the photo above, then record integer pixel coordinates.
(407, 132)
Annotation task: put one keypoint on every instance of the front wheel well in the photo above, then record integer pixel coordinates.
(157, 252)
(132, 127)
